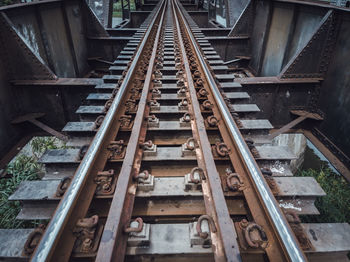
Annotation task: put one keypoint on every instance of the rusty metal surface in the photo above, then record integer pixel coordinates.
(310, 60)
(199, 131)
(83, 176)
(305, 24)
(218, 209)
(113, 244)
(281, 244)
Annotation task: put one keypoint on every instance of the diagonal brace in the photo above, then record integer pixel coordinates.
(32, 118)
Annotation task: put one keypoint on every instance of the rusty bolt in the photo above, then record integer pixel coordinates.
(86, 245)
(147, 145)
(261, 238)
(184, 102)
(33, 240)
(190, 143)
(90, 222)
(128, 229)
(98, 121)
(244, 223)
(82, 151)
(212, 121)
(144, 175)
(266, 171)
(186, 117)
(212, 226)
(200, 173)
(207, 105)
(222, 149)
(63, 185)
(234, 181)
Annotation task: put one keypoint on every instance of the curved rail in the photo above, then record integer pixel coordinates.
(273, 210)
(49, 240)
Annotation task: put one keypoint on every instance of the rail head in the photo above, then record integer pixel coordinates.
(113, 243)
(274, 212)
(227, 248)
(66, 205)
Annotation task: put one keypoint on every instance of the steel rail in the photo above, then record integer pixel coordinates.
(227, 248)
(274, 212)
(53, 231)
(112, 233)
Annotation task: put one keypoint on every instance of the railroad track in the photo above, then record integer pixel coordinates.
(170, 163)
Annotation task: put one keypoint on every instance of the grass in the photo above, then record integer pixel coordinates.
(22, 168)
(334, 207)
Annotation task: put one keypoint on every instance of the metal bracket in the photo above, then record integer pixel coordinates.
(131, 106)
(183, 105)
(117, 149)
(243, 24)
(33, 240)
(188, 148)
(185, 121)
(125, 122)
(152, 121)
(145, 181)
(23, 63)
(324, 39)
(182, 92)
(200, 231)
(154, 105)
(105, 183)
(149, 149)
(193, 179)
(220, 149)
(62, 186)
(251, 235)
(88, 232)
(139, 233)
(295, 224)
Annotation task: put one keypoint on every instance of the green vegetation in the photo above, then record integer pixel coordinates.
(334, 207)
(40, 144)
(117, 7)
(22, 168)
(5, 2)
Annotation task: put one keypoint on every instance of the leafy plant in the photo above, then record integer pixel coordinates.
(40, 144)
(22, 168)
(334, 207)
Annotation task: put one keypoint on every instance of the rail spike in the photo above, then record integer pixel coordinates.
(166, 157)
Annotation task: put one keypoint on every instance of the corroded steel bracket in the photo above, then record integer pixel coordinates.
(22, 62)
